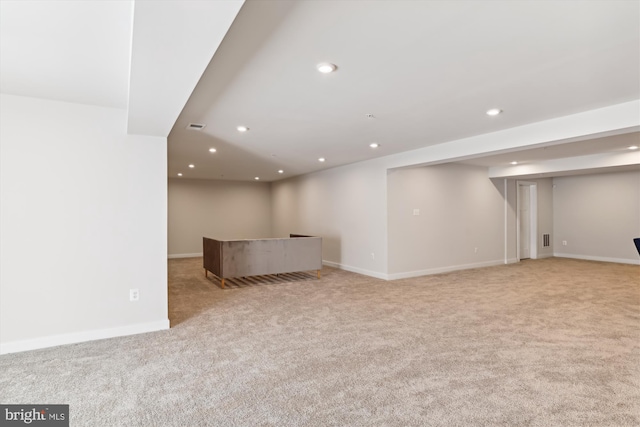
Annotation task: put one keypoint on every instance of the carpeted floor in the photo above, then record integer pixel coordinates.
(552, 342)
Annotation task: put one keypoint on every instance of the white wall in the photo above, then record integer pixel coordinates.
(216, 209)
(598, 215)
(346, 206)
(511, 238)
(83, 220)
(460, 210)
(545, 216)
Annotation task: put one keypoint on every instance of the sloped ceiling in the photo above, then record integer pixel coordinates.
(173, 42)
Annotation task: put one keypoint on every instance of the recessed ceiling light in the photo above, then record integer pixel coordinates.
(321, 159)
(212, 150)
(179, 174)
(514, 163)
(326, 67)
(257, 178)
(242, 128)
(192, 166)
(280, 171)
(494, 112)
(633, 147)
(374, 145)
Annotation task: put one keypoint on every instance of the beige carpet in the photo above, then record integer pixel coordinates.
(549, 342)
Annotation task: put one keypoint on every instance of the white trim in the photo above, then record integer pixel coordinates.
(356, 270)
(599, 258)
(194, 255)
(78, 337)
(512, 261)
(448, 269)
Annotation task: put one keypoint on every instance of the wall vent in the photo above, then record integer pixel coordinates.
(196, 126)
(545, 240)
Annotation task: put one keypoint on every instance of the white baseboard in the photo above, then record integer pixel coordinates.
(417, 273)
(77, 337)
(541, 256)
(195, 255)
(599, 258)
(355, 270)
(447, 269)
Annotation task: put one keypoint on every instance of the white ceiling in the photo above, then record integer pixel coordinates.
(427, 70)
(144, 56)
(73, 51)
(172, 44)
(610, 144)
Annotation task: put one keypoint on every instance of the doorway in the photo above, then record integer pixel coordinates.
(527, 220)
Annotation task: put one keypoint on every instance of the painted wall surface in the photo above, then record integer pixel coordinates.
(458, 210)
(346, 206)
(545, 216)
(598, 216)
(224, 210)
(83, 221)
(511, 238)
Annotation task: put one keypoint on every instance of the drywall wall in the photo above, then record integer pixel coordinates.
(545, 216)
(346, 206)
(442, 218)
(510, 236)
(218, 209)
(598, 216)
(83, 221)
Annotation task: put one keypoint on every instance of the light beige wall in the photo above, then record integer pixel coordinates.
(598, 215)
(511, 239)
(83, 221)
(544, 188)
(460, 209)
(545, 215)
(346, 206)
(216, 209)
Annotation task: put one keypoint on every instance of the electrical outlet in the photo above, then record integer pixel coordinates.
(564, 243)
(416, 212)
(134, 294)
(373, 255)
(475, 251)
